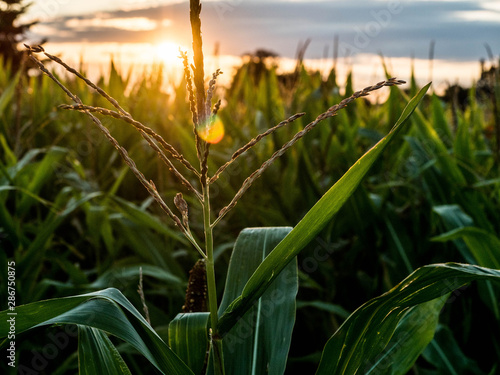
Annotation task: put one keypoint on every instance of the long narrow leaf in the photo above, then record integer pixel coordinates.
(447, 356)
(484, 246)
(43, 172)
(97, 354)
(485, 249)
(107, 310)
(260, 341)
(188, 338)
(358, 342)
(454, 217)
(30, 262)
(8, 93)
(312, 223)
(412, 335)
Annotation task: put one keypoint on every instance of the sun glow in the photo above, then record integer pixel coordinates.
(168, 52)
(213, 132)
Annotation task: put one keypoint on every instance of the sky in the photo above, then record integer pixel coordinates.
(461, 31)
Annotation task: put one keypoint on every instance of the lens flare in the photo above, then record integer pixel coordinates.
(213, 132)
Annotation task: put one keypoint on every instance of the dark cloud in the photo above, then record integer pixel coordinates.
(394, 28)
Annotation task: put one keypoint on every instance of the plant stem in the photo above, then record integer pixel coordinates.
(216, 343)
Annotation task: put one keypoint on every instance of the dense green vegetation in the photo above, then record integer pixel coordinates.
(75, 219)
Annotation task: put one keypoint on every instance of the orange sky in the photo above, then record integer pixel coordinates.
(138, 32)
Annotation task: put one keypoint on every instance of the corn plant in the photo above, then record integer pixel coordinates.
(249, 331)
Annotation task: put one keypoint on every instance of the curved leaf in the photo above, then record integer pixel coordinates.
(484, 246)
(133, 272)
(97, 354)
(312, 223)
(188, 338)
(447, 356)
(454, 217)
(413, 333)
(9, 91)
(141, 216)
(260, 340)
(67, 204)
(107, 310)
(485, 249)
(355, 346)
(43, 172)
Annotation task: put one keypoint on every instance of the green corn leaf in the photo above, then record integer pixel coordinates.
(454, 217)
(107, 310)
(413, 333)
(445, 354)
(484, 246)
(463, 143)
(35, 252)
(188, 338)
(146, 244)
(9, 158)
(133, 272)
(485, 250)
(436, 146)
(98, 222)
(121, 176)
(356, 345)
(145, 219)
(24, 161)
(8, 93)
(260, 340)
(97, 354)
(312, 223)
(44, 171)
(8, 223)
(439, 120)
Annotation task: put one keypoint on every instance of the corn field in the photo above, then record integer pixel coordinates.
(76, 221)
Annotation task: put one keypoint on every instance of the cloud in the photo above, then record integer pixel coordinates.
(130, 23)
(479, 15)
(395, 28)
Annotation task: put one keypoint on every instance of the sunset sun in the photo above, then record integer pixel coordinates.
(167, 51)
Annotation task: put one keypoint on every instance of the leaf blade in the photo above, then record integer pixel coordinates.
(413, 333)
(116, 316)
(261, 339)
(354, 346)
(188, 338)
(484, 246)
(97, 354)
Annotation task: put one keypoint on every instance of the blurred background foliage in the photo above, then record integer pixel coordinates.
(75, 219)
